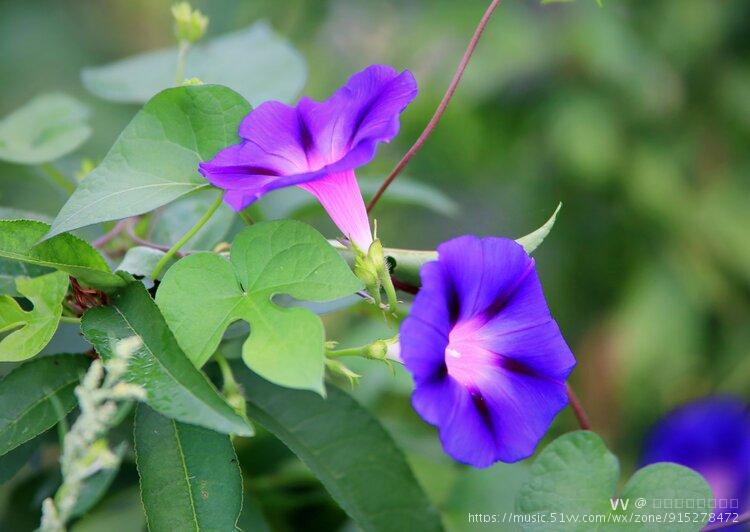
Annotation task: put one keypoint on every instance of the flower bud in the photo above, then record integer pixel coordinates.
(376, 256)
(378, 350)
(190, 24)
(368, 274)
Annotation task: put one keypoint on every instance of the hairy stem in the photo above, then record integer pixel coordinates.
(441, 107)
(186, 237)
(360, 351)
(70, 319)
(182, 53)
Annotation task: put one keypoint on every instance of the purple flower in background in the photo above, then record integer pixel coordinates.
(712, 437)
(488, 360)
(316, 146)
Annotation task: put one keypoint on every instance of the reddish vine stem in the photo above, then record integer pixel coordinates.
(441, 107)
(743, 518)
(575, 404)
(130, 229)
(111, 234)
(404, 287)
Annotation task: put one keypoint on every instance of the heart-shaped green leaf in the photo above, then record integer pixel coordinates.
(173, 385)
(348, 450)
(19, 241)
(190, 477)
(155, 159)
(576, 475)
(31, 329)
(10, 269)
(254, 61)
(28, 395)
(46, 128)
(286, 345)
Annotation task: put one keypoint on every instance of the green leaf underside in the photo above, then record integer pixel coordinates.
(286, 345)
(26, 407)
(155, 159)
(254, 61)
(46, 128)
(31, 330)
(348, 450)
(577, 475)
(19, 241)
(173, 385)
(141, 261)
(190, 477)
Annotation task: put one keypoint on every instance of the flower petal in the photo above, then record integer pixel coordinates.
(341, 198)
(712, 436)
(496, 268)
(279, 137)
(424, 332)
(360, 114)
(315, 141)
(495, 381)
(464, 431)
(522, 407)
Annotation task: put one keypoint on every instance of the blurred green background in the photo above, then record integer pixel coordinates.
(635, 115)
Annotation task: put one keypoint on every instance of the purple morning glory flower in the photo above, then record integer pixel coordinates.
(488, 360)
(712, 437)
(316, 146)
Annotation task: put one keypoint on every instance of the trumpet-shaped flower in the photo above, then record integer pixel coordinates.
(488, 360)
(316, 146)
(711, 436)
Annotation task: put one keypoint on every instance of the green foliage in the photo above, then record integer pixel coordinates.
(141, 261)
(255, 61)
(29, 394)
(45, 129)
(33, 329)
(10, 269)
(155, 159)
(577, 475)
(174, 387)
(12, 461)
(19, 241)
(95, 487)
(190, 478)
(267, 259)
(170, 223)
(122, 512)
(348, 450)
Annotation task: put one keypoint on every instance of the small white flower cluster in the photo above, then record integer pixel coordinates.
(85, 448)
